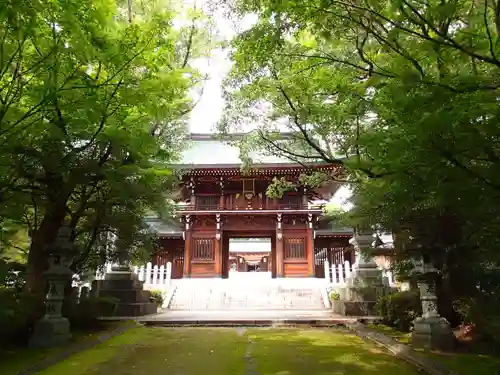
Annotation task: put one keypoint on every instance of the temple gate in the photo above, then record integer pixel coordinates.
(218, 201)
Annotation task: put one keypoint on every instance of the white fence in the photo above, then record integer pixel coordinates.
(340, 274)
(152, 276)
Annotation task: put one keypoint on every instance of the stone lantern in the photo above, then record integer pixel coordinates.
(431, 331)
(53, 329)
(365, 270)
(364, 283)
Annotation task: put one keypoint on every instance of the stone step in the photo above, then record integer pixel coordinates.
(228, 295)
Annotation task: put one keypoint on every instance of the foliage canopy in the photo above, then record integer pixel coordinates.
(404, 95)
(92, 113)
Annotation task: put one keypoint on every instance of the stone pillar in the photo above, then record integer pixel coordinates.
(364, 284)
(124, 263)
(53, 329)
(365, 270)
(431, 331)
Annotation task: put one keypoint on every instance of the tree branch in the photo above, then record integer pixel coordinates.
(488, 32)
(104, 117)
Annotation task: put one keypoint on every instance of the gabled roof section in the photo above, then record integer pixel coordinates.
(210, 151)
(162, 228)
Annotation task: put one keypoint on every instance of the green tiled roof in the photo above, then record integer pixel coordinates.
(164, 229)
(204, 150)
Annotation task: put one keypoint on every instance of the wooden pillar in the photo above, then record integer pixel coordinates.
(218, 247)
(187, 247)
(310, 247)
(272, 258)
(280, 269)
(191, 185)
(218, 257)
(221, 199)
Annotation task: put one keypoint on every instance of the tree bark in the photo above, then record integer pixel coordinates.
(40, 240)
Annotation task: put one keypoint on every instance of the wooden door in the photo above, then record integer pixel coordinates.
(320, 255)
(178, 264)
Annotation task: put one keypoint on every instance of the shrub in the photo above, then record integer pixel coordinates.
(157, 297)
(334, 295)
(399, 309)
(483, 315)
(18, 313)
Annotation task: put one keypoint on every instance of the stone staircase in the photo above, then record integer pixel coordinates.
(241, 294)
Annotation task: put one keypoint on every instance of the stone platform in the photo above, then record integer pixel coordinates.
(247, 318)
(124, 285)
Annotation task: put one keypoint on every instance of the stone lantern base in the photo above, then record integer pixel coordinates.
(364, 287)
(433, 333)
(50, 332)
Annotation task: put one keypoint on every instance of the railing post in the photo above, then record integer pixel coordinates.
(141, 273)
(334, 274)
(326, 266)
(347, 267)
(147, 279)
(155, 275)
(341, 274)
(169, 272)
(162, 274)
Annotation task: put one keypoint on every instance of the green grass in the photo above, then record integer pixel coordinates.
(226, 351)
(14, 360)
(462, 363)
(402, 337)
(193, 351)
(321, 352)
(468, 364)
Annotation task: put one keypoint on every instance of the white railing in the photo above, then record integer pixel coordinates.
(340, 274)
(152, 276)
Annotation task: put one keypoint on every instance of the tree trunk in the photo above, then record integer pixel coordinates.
(40, 240)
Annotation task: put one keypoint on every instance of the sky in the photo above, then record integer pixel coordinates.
(217, 65)
(208, 111)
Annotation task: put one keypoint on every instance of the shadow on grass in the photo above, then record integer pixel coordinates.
(233, 351)
(469, 359)
(155, 351)
(321, 352)
(16, 359)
